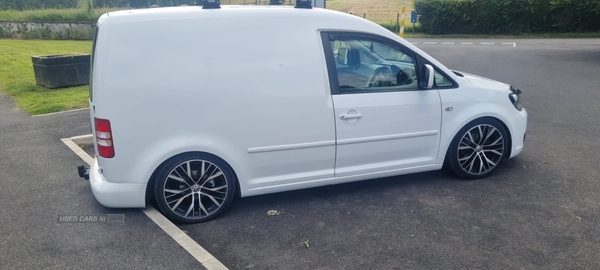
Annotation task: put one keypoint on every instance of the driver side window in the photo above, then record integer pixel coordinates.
(368, 65)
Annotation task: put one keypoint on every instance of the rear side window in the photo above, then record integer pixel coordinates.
(92, 65)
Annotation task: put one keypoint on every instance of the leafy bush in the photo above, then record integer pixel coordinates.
(507, 16)
(576, 15)
(141, 3)
(62, 4)
(37, 4)
(52, 15)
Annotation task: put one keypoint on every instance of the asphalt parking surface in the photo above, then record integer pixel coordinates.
(538, 211)
(39, 182)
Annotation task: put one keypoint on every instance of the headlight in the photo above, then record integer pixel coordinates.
(516, 100)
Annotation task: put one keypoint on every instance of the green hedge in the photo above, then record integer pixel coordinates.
(60, 4)
(141, 3)
(37, 4)
(507, 16)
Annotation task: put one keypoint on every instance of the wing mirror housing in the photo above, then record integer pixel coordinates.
(428, 76)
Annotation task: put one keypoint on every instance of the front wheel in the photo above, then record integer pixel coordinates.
(477, 149)
(194, 188)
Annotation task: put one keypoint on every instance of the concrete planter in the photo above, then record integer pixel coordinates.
(61, 70)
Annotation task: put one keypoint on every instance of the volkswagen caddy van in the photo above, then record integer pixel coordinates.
(193, 106)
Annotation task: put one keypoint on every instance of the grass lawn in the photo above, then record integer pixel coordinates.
(18, 81)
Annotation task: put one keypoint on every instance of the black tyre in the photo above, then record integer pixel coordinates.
(477, 149)
(194, 187)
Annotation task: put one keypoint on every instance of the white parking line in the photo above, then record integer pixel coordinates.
(60, 112)
(466, 43)
(448, 43)
(487, 43)
(198, 252)
(429, 43)
(510, 43)
(78, 151)
(415, 42)
(205, 258)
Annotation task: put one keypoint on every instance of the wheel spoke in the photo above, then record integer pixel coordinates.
(489, 161)
(494, 143)
(191, 206)
(214, 176)
(490, 132)
(202, 169)
(212, 198)
(177, 178)
(184, 175)
(480, 164)
(493, 151)
(472, 163)
(470, 137)
(188, 171)
(480, 134)
(499, 146)
(215, 193)
(179, 201)
(466, 159)
(175, 192)
(216, 172)
(465, 147)
(202, 207)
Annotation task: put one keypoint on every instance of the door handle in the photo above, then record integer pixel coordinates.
(350, 116)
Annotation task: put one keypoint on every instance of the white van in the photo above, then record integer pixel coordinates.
(191, 107)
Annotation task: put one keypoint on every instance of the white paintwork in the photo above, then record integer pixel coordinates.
(480, 97)
(116, 194)
(397, 130)
(250, 85)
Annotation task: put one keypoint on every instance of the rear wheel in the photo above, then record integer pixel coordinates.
(194, 188)
(477, 149)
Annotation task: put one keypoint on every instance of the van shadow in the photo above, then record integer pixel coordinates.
(339, 192)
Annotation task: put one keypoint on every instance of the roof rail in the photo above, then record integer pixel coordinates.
(209, 4)
(303, 4)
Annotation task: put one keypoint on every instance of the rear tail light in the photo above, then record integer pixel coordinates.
(104, 139)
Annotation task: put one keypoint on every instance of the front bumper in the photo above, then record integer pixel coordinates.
(117, 195)
(518, 131)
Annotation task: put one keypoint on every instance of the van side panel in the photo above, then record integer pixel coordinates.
(209, 83)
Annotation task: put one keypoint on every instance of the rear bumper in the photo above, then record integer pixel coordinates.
(117, 195)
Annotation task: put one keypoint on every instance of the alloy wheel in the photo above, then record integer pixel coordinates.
(480, 149)
(195, 189)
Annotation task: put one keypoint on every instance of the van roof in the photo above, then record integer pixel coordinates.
(225, 10)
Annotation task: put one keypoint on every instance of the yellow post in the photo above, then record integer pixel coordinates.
(402, 18)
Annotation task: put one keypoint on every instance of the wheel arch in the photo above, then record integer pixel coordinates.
(456, 133)
(150, 184)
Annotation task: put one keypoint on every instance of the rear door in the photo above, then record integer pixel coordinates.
(384, 121)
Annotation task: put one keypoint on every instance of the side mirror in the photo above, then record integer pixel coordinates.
(428, 76)
(342, 56)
